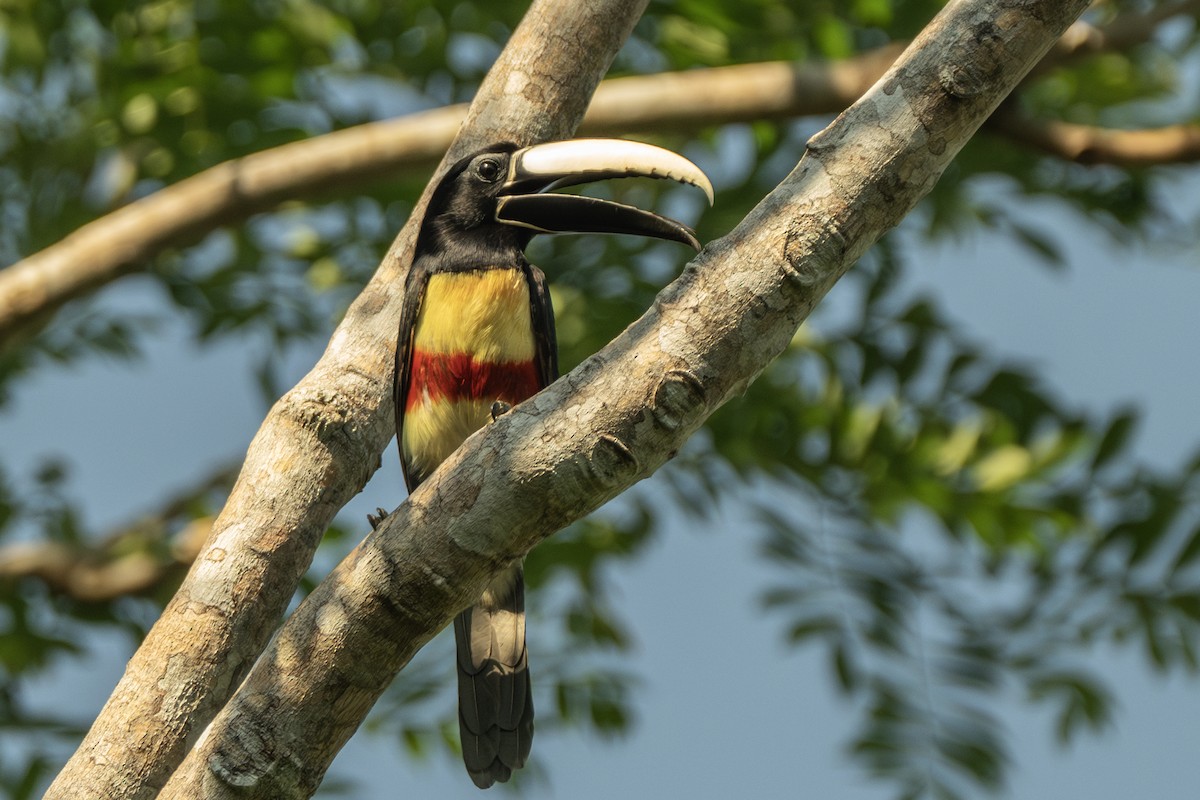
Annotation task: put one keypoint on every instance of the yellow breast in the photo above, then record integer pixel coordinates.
(484, 314)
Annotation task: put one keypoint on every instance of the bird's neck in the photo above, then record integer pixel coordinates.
(493, 245)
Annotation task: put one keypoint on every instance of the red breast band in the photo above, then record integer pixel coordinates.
(458, 376)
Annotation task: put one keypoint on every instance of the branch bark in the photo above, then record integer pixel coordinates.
(618, 416)
(125, 240)
(319, 444)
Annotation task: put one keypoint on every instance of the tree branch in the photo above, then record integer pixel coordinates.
(618, 416)
(319, 444)
(1123, 32)
(125, 240)
(133, 559)
(1089, 144)
(91, 577)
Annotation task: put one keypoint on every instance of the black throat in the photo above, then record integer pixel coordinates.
(444, 245)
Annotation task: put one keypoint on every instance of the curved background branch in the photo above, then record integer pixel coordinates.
(621, 414)
(1090, 144)
(1128, 29)
(125, 240)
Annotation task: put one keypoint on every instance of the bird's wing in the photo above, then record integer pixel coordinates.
(544, 340)
(414, 293)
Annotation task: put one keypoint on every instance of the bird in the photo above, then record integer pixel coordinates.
(477, 337)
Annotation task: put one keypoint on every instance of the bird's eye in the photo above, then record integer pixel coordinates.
(489, 169)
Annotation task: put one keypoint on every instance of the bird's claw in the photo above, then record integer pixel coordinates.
(498, 408)
(375, 519)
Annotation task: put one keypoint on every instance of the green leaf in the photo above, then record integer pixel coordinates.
(1040, 243)
(1189, 552)
(1115, 439)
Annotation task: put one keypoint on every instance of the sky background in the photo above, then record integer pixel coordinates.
(753, 717)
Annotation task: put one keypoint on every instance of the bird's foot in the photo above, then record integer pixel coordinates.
(498, 408)
(375, 519)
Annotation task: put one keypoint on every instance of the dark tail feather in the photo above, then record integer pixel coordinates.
(495, 705)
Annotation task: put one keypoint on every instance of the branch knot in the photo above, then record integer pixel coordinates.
(678, 398)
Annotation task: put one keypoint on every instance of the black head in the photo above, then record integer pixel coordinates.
(463, 206)
(495, 200)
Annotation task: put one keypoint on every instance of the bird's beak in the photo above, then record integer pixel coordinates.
(533, 170)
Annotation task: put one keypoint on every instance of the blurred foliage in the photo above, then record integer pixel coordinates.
(962, 536)
(937, 521)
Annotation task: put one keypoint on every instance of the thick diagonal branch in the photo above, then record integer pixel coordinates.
(618, 416)
(318, 445)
